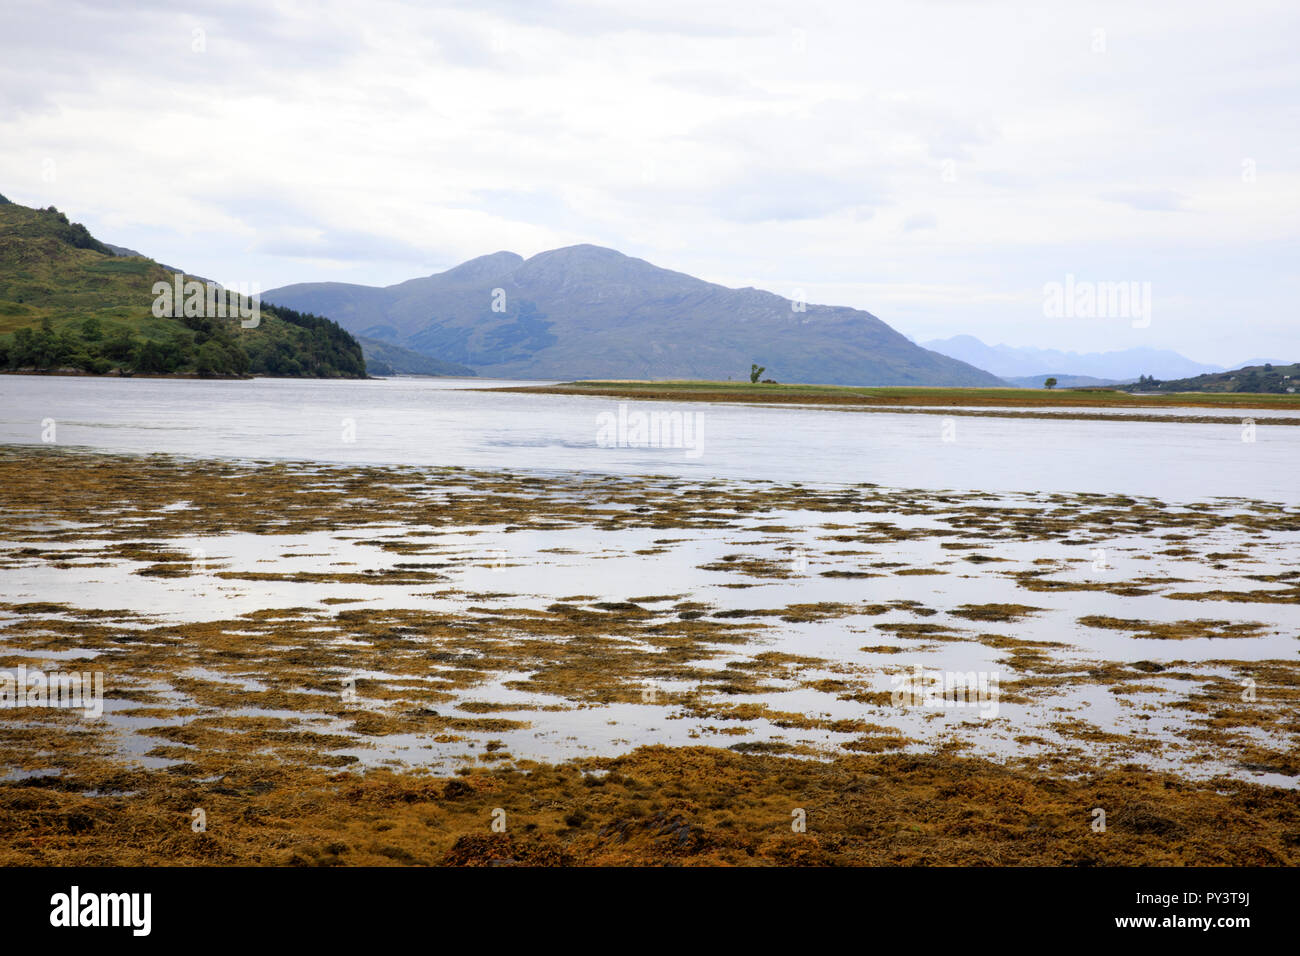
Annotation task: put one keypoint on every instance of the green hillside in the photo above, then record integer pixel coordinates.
(1265, 379)
(68, 303)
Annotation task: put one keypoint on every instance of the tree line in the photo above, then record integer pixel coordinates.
(306, 345)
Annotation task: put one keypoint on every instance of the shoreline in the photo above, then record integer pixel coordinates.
(889, 398)
(233, 704)
(185, 376)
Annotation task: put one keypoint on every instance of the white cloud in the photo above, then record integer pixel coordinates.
(935, 163)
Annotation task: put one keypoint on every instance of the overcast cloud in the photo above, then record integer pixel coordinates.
(933, 162)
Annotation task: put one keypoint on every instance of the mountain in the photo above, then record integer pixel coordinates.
(1062, 381)
(1249, 362)
(384, 358)
(69, 301)
(1009, 362)
(131, 253)
(1267, 378)
(590, 312)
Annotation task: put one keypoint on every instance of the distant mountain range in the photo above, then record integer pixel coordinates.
(590, 312)
(1062, 381)
(1010, 362)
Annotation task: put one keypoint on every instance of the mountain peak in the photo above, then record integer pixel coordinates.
(584, 250)
(484, 267)
(584, 269)
(583, 256)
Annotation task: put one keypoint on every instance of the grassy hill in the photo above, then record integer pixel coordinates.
(1260, 379)
(69, 303)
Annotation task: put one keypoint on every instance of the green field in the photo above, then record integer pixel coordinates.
(946, 397)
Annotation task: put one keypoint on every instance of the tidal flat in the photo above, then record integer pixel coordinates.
(373, 664)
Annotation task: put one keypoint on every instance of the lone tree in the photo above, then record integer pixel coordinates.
(1050, 383)
(756, 372)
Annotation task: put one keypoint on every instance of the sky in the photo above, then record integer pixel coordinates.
(939, 164)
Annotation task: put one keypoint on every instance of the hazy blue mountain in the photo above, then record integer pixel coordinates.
(1009, 361)
(385, 358)
(1062, 381)
(1249, 363)
(590, 312)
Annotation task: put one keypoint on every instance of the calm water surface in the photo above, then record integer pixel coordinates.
(457, 422)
